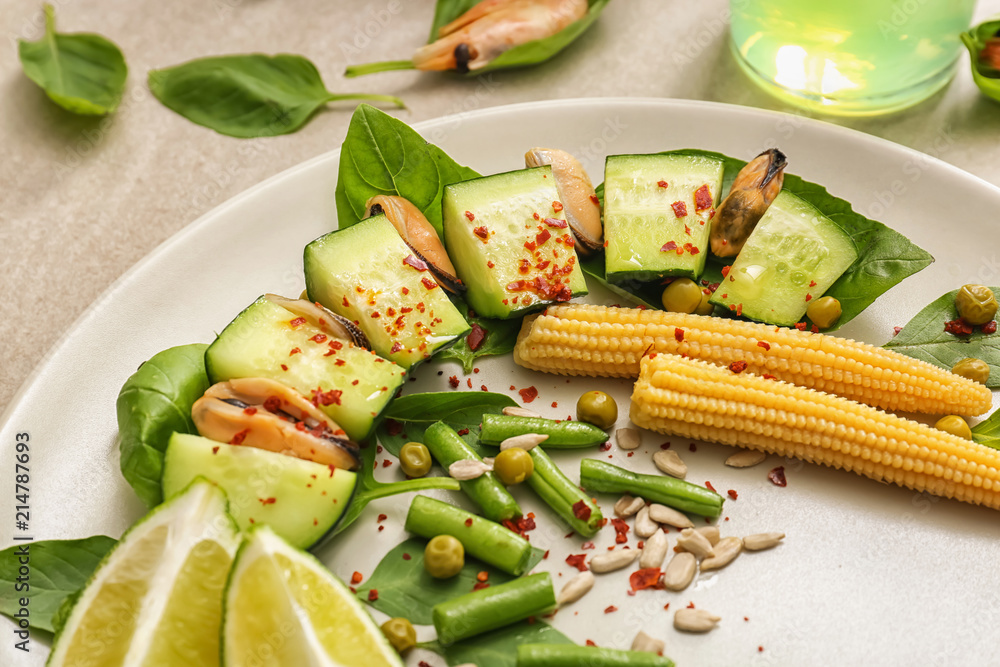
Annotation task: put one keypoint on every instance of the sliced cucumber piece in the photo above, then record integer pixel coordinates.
(793, 256)
(367, 274)
(300, 500)
(262, 342)
(657, 214)
(511, 247)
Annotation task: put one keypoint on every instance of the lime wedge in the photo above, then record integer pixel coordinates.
(156, 598)
(283, 608)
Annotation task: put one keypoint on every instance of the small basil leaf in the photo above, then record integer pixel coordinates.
(83, 72)
(498, 648)
(253, 95)
(975, 40)
(501, 336)
(59, 568)
(924, 338)
(384, 156)
(405, 589)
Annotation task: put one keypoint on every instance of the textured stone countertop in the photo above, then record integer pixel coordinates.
(85, 199)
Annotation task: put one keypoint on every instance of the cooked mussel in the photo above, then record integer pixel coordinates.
(576, 193)
(262, 413)
(324, 319)
(418, 233)
(489, 28)
(753, 190)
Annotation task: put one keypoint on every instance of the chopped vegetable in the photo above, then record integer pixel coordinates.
(494, 607)
(564, 497)
(562, 434)
(513, 466)
(567, 655)
(600, 476)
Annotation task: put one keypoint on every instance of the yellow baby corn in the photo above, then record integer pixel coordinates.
(697, 400)
(579, 339)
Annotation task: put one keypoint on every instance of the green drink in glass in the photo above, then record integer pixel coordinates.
(850, 57)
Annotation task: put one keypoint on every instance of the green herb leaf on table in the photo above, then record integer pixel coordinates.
(83, 73)
(501, 336)
(986, 76)
(59, 568)
(384, 156)
(253, 95)
(408, 417)
(155, 402)
(924, 338)
(405, 589)
(498, 648)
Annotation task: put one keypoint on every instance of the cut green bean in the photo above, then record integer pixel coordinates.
(486, 490)
(484, 539)
(562, 434)
(600, 476)
(570, 655)
(493, 607)
(563, 496)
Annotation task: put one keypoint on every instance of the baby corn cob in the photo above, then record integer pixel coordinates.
(579, 339)
(695, 399)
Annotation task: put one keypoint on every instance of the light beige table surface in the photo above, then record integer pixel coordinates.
(82, 200)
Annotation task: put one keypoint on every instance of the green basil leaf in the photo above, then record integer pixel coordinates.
(153, 403)
(642, 294)
(498, 648)
(408, 417)
(83, 72)
(446, 11)
(58, 569)
(405, 589)
(987, 78)
(253, 95)
(924, 338)
(987, 432)
(384, 156)
(501, 336)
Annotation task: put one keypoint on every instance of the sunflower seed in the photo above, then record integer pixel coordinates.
(669, 516)
(613, 560)
(711, 533)
(668, 461)
(745, 458)
(467, 469)
(654, 550)
(647, 644)
(680, 571)
(726, 550)
(644, 526)
(696, 543)
(627, 506)
(762, 541)
(524, 441)
(576, 588)
(695, 620)
(628, 438)
(520, 412)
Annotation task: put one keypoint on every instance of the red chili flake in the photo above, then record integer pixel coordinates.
(528, 394)
(464, 431)
(702, 198)
(680, 209)
(428, 283)
(356, 578)
(555, 404)
(739, 310)
(610, 608)
(708, 485)
(620, 526)
(958, 327)
(556, 222)
(396, 347)
(678, 334)
(331, 397)
(687, 230)
(586, 545)
(453, 381)
(297, 322)
(605, 446)
(990, 327)
(375, 315)
(801, 326)
(777, 476)
(814, 329)
(415, 262)
(480, 585)
(646, 578)
(668, 246)
(542, 237)
(809, 297)
(284, 367)
(469, 382)
(732, 494)
(470, 216)
(581, 510)
(765, 345)
(347, 304)
(738, 366)
(272, 404)
(373, 595)
(662, 184)
(476, 337)
(239, 437)
(215, 450)
(557, 206)
(725, 270)
(407, 556)
(768, 376)
(490, 264)
(590, 642)
(386, 463)
(268, 501)
(482, 575)
(530, 246)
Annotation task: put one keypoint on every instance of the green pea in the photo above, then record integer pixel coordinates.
(682, 295)
(414, 459)
(597, 408)
(400, 633)
(513, 465)
(824, 312)
(444, 557)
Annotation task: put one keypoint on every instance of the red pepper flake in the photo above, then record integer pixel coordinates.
(468, 522)
(297, 322)
(453, 381)
(356, 578)
(668, 246)
(760, 649)
(480, 585)
(407, 556)
(687, 230)
(428, 283)
(470, 216)
(732, 494)
(528, 394)
(605, 446)
(691, 248)
(738, 366)
(609, 609)
(268, 501)
(646, 578)
(708, 485)
(396, 347)
(375, 315)
(801, 326)
(464, 431)
(662, 184)
(284, 367)
(483, 575)
(530, 246)
(469, 382)
(386, 463)
(763, 344)
(319, 338)
(680, 209)
(415, 262)
(215, 450)
(476, 337)
(250, 411)
(347, 304)
(809, 297)
(239, 437)
(586, 545)
(958, 327)
(556, 222)
(557, 206)
(739, 310)
(725, 270)
(777, 476)
(768, 376)
(814, 329)
(542, 237)
(482, 233)
(690, 605)
(590, 642)
(702, 198)
(373, 595)
(331, 397)
(620, 526)
(593, 198)
(490, 264)
(581, 510)
(678, 334)
(990, 327)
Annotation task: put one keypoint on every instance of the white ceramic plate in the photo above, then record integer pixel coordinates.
(868, 574)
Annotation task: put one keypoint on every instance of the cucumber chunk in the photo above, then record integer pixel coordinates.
(794, 255)
(367, 274)
(511, 247)
(300, 500)
(657, 215)
(261, 341)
